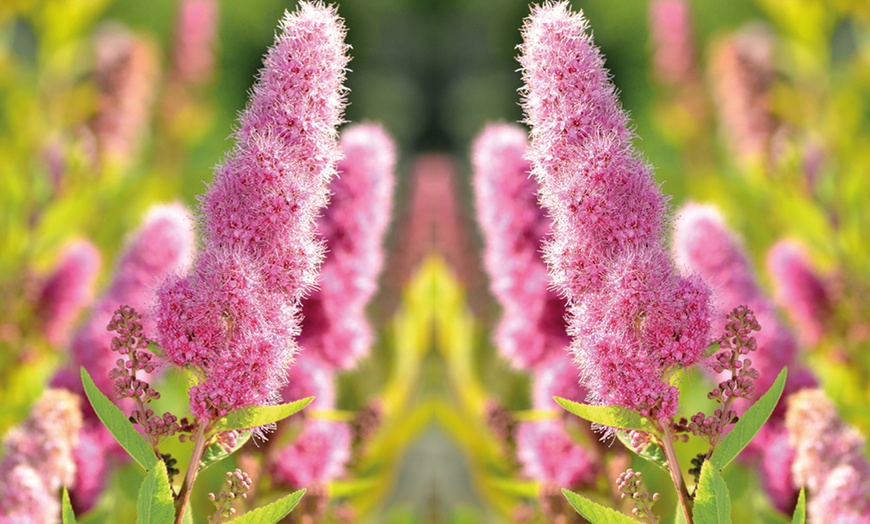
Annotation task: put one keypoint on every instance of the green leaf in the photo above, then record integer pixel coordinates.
(594, 512)
(519, 488)
(712, 502)
(651, 452)
(68, 515)
(613, 416)
(679, 516)
(155, 504)
(255, 416)
(157, 350)
(749, 424)
(118, 424)
(800, 511)
(712, 349)
(216, 452)
(271, 513)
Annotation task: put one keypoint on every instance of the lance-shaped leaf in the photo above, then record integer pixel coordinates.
(155, 504)
(749, 424)
(256, 416)
(271, 513)
(800, 511)
(712, 502)
(594, 512)
(217, 452)
(118, 424)
(613, 416)
(651, 452)
(67, 514)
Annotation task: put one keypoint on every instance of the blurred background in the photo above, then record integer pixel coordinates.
(433, 72)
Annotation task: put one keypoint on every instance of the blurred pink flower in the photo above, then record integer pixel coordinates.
(126, 74)
(514, 226)
(234, 316)
(38, 458)
(195, 38)
(547, 454)
(319, 454)
(68, 290)
(798, 289)
(829, 460)
(310, 377)
(633, 318)
(334, 324)
(556, 377)
(673, 45)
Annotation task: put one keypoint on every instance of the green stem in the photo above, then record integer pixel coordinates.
(192, 470)
(676, 475)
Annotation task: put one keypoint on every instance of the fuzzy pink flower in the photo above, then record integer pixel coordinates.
(334, 323)
(514, 226)
(68, 290)
(556, 377)
(798, 289)
(674, 49)
(547, 454)
(829, 459)
(234, 316)
(633, 317)
(318, 455)
(195, 32)
(775, 466)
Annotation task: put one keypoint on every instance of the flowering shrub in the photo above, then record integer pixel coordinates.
(490, 305)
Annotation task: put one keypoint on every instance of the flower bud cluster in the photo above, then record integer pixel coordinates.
(236, 485)
(630, 485)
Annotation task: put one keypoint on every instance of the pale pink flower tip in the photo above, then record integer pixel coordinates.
(318, 455)
(798, 289)
(195, 31)
(234, 316)
(633, 317)
(548, 454)
(829, 459)
(674, 50)
(334, 323)
(68, 290)
(514, 225)
(310, 377)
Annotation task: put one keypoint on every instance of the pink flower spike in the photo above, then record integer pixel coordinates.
(633, 318)
(798, 289)
(234, 317)
(68, 290)
(514, 226)
(318, 455)
(310, 377)
(334, 322)
(829, 459)
(548, 455)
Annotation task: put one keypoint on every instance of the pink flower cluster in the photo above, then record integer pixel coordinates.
(548, 454)
(829, 460)
(633, 317)
(68, 290)
(39, 459)
(233, 318)
(334, 325)
(532, 327)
